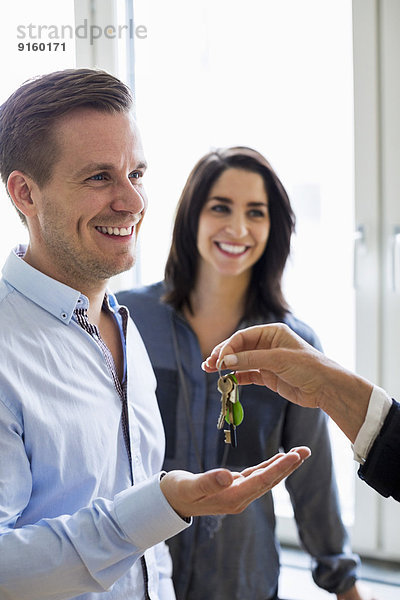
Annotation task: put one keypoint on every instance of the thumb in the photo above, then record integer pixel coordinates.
(212, 482)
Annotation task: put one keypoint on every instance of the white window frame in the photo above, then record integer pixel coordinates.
(377, 155)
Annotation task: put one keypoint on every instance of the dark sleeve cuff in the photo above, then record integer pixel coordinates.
(381, 470)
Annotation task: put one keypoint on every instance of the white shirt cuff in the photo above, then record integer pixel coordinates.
(145, 515)
(378, 408)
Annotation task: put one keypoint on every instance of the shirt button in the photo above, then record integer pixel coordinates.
(137, 460)
(64, 315)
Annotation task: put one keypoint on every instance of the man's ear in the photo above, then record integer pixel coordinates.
(20, 187)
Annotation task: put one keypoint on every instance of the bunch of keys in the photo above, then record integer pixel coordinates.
(231, 410)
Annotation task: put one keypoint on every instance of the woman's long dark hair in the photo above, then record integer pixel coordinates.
(264, 295)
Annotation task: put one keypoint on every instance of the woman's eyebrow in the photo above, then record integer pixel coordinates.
(259, 203)
(252, 203)
(221, 199)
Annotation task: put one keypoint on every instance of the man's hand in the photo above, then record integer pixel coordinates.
(274, 356)
(222, 492)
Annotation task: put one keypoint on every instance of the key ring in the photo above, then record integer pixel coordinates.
(219, 371)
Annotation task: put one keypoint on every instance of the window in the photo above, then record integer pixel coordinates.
(33, 25)
(275, 75)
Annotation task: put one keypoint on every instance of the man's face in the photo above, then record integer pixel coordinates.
(90, 211)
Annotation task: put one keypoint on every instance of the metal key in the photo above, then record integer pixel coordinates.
(225, 386)
(230, 435)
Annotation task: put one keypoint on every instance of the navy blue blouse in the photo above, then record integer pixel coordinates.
(237, 556)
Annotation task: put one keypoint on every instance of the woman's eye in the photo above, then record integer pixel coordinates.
(220, 208)
(256, 213)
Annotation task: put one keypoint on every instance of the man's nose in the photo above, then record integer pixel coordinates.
(130, 198)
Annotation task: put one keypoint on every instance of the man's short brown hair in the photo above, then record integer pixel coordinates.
(27, 118)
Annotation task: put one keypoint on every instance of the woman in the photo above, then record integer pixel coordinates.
(230, 244)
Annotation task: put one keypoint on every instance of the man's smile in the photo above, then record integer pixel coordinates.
(121, 231)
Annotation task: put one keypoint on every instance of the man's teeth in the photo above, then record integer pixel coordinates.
(232, 249)
(115, 230)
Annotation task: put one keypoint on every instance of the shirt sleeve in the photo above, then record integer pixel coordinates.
(378, 409)
(314, 496)
(381, 469)
(69, 555)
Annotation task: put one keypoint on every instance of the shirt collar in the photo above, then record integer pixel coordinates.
(57, 298)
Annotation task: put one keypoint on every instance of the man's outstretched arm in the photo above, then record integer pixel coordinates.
(221, 492)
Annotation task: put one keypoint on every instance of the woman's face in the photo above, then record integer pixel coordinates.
(234, 222)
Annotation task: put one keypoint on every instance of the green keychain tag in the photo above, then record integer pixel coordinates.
(237, 408)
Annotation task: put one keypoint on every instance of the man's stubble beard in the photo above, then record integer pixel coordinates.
(80, 266)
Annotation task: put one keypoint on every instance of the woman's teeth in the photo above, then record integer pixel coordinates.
(232, 249)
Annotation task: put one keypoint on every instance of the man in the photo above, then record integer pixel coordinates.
(79, 422)
(274, 356)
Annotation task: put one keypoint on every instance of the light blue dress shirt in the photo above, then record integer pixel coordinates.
(71, 524)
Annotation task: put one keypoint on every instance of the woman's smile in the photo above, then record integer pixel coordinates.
(232, 249)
